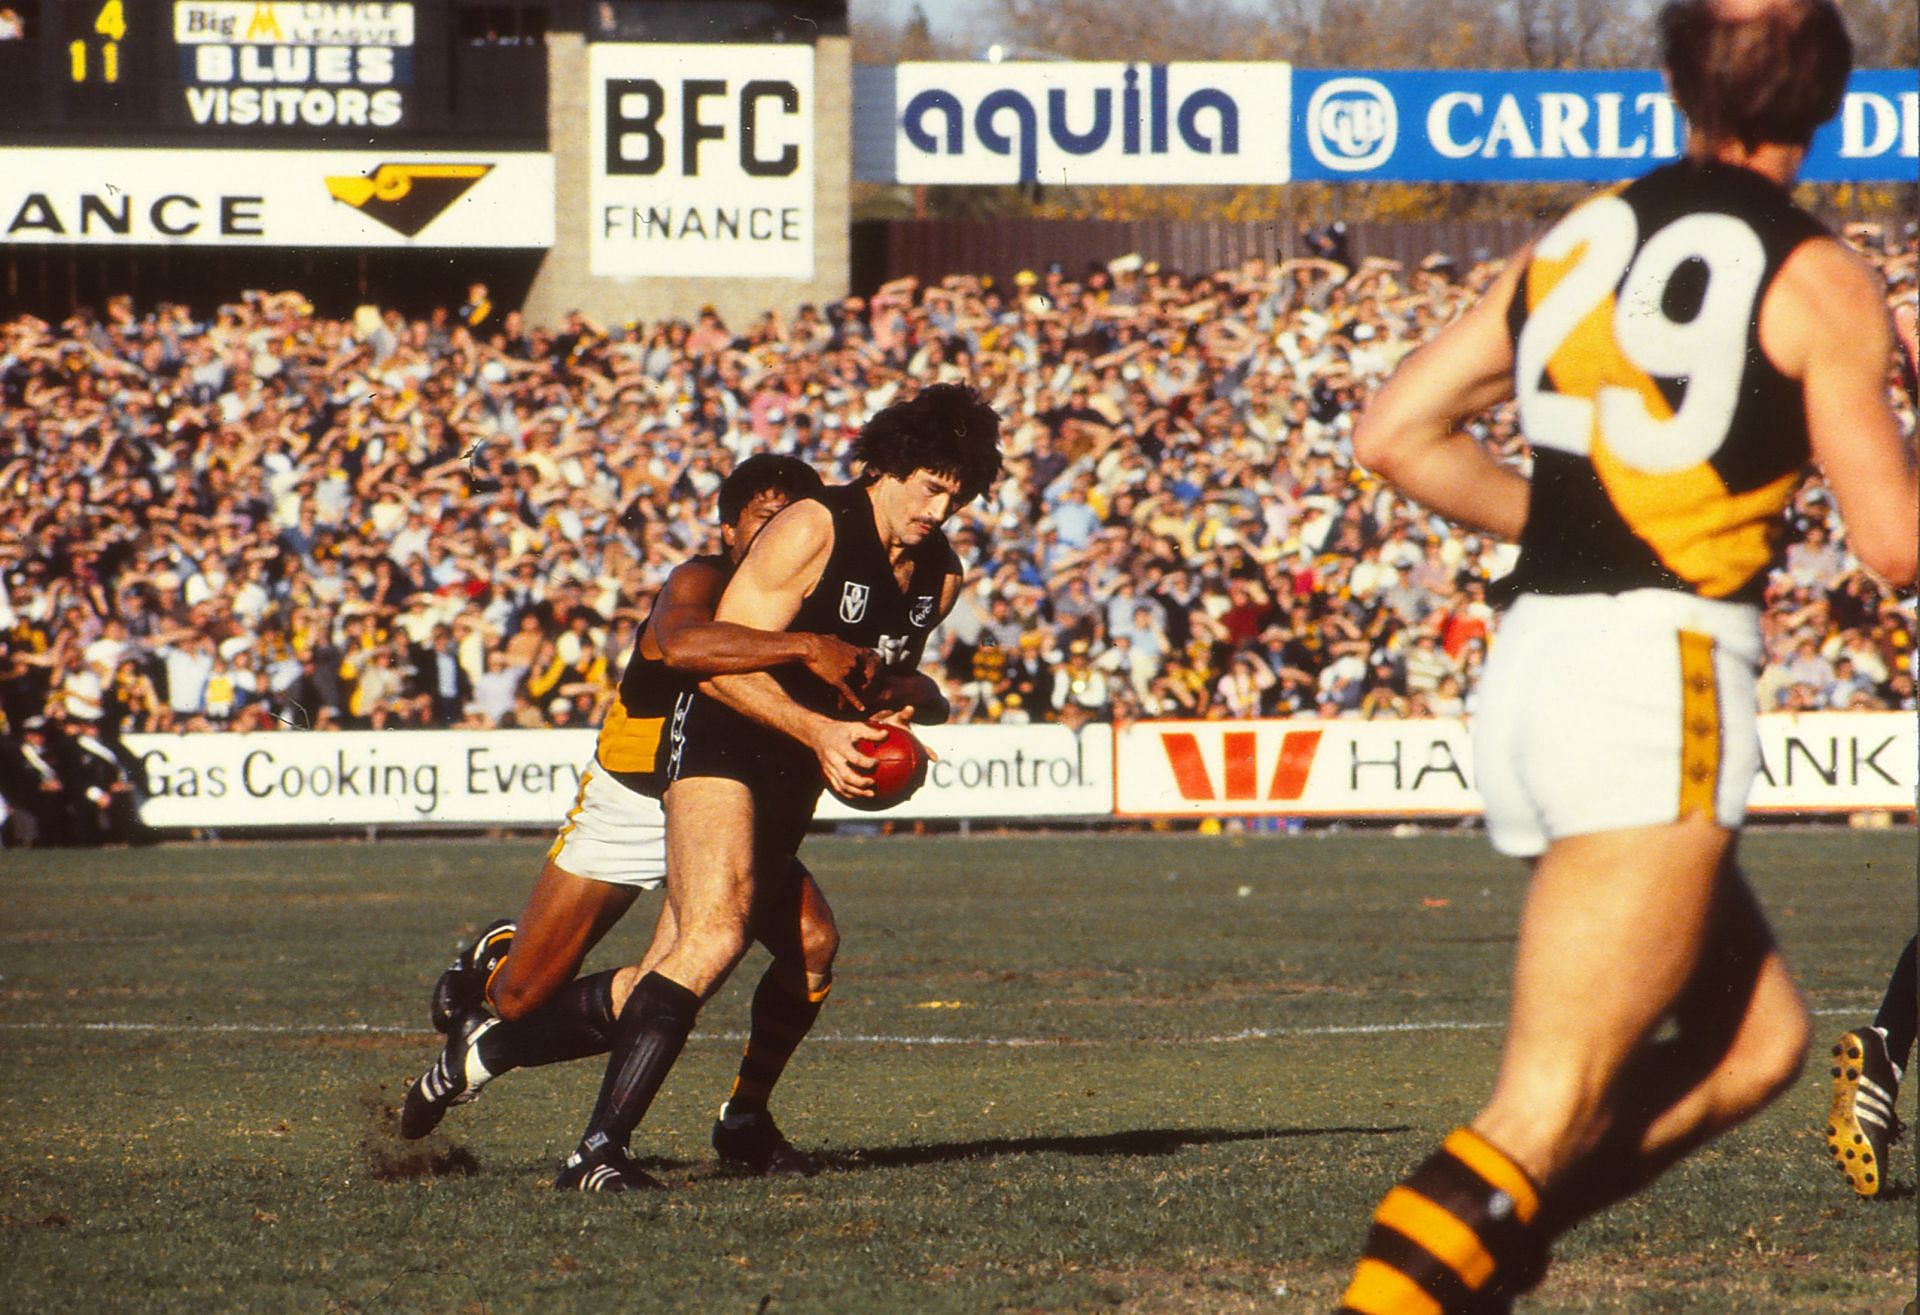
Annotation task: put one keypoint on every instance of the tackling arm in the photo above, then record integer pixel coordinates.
(765, 594)
(1410, 435)
(685, 635)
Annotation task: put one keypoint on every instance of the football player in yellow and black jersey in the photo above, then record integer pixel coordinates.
(751, 752)
(1678, 349)
(613, 842)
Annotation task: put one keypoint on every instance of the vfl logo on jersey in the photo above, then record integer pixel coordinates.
(921, 613)
(406, 197)
(853, 601)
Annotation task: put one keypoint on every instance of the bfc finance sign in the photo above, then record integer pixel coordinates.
(1071, 124)
(703, 160)
(1560, 127)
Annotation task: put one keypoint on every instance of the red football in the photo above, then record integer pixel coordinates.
(899, 769)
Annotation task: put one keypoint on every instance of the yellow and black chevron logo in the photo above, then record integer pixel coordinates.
(406, 197)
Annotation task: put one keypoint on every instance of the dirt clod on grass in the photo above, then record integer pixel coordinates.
(389, 1158)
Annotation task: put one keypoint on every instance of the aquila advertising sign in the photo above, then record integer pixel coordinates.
(1095, 123)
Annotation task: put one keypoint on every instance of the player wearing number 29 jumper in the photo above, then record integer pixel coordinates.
(1678, 349)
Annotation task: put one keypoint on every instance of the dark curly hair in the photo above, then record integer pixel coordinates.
(946, 428)
(1773, 76)
(760, 473)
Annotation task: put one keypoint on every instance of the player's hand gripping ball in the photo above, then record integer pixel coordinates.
(899, 769)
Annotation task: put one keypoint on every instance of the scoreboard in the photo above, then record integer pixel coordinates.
(276, 123)
(342, 74)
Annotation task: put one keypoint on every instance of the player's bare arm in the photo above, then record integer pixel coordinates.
(765, 594)
(1825, 322)
(685, 635)
(1410, 433)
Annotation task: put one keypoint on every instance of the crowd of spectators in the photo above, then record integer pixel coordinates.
(262, 519)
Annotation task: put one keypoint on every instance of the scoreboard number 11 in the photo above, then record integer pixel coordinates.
(111, 23)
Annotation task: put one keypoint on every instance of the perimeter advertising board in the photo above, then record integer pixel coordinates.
(702, 160)
(1819, 762)
(1365, 125)
(528, 778)
(356, 199)
(1075, 124)
(1815, 763)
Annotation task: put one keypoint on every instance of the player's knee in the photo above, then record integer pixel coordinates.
(716, 945)
(819, 943)
(514, 997)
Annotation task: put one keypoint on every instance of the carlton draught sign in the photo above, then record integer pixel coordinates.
(1552, 126)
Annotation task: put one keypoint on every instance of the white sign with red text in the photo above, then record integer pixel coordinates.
(1816, 762)
(1293, 768)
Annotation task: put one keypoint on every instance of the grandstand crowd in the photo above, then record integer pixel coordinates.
(262, 519)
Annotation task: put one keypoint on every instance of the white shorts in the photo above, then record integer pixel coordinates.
(612, 834)
(1602, 712)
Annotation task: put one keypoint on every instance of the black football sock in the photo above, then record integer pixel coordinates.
(781, 1018)
(1895, 1019)
(576, 1021)
(647, 1038)
(1458, 1236)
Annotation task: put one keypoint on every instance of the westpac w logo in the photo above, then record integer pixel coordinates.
(1239, 766)
(853, 601)
(1352, 124)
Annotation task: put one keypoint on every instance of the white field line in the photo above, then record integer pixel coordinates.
(831, 1038)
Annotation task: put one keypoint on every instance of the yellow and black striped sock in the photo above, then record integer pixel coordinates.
(781, 1019)
(1457, 1237)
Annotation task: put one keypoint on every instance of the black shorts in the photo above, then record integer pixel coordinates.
(707, 738)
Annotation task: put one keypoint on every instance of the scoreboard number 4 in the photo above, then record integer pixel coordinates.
(111, 23)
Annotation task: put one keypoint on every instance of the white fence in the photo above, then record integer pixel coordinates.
(1813, 764)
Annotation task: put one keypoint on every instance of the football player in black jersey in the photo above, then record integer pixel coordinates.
(750, 752)
(612, 845)
(1678, 349)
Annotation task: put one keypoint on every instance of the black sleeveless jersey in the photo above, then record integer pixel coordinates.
(857, 599)
(1665, 444)
(630, 738)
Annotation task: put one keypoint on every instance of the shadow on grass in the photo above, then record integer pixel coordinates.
(1143, 1141)
(1140, 1142)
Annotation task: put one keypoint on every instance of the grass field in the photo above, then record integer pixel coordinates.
(1133, 1074)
